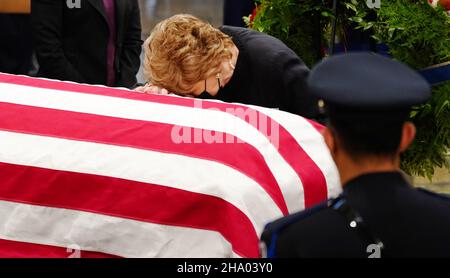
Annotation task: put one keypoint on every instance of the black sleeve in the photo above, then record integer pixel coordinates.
(296, 98)
(132, 45)
(47, 24)
(271, 234)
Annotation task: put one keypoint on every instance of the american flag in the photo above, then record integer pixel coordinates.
(92, 171)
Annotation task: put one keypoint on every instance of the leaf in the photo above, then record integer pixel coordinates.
(377, 38)
(391, 32)
(368, 26)
(356, 19)
(326, 14)
(351, 7)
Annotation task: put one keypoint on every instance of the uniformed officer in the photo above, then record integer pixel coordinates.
(367, 99)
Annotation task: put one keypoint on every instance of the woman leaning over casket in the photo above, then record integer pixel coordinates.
(189, 57)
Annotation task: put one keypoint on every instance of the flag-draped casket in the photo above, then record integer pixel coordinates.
(113, 172)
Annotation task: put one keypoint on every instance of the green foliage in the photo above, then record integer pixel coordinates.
(299, 26)
(433, 135)
(416, 34)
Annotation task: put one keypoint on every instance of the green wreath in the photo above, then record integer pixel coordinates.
(415, 33)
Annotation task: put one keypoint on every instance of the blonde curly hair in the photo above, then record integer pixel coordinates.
(183, 50)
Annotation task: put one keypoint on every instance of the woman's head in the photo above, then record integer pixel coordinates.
(184, 53)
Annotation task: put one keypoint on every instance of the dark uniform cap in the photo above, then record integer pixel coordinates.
(363, 82)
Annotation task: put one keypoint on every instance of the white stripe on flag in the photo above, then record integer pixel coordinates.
(107, 234)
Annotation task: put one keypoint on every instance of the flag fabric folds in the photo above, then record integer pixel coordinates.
(92, 171)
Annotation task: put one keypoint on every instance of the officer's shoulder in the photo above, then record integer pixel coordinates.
(314, 224)
(314, 214)
(437, 204)
(425, 192)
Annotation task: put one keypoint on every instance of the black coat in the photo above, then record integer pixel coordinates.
(268, 74)
(235, 10)
(71, 43)
(15, 43)
(409, 222)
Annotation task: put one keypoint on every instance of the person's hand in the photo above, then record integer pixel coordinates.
(152, 89)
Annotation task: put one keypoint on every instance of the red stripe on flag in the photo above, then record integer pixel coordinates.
(129, 199)
(14, 249)
(316, 125)
(138, 134)
(314, 183)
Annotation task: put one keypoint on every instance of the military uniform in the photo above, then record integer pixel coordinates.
(408, 222)
(379, 214)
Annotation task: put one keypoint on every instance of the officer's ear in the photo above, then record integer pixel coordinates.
(327, 134)
(408, 135)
